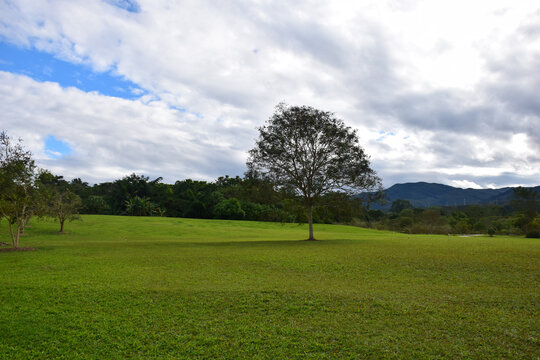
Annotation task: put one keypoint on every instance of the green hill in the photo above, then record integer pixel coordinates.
(422, 194)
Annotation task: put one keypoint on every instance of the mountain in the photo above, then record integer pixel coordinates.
(422, 194)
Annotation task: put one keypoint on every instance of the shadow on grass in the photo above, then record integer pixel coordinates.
(244, 244)
(47, 232)
(128, 243)
(12, 249)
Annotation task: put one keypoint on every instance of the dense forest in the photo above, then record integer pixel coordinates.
(248, 198)
(252, 198)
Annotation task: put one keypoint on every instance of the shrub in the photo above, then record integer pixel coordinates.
(533, 229)
(461, 227)
(229, 209)
(405, 223)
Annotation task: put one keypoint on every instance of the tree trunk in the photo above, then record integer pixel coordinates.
(18, 234)
(20, 222)
(62, 226)
(310, 221)
(12, 234)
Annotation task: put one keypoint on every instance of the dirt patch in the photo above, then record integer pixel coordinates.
(17, 249)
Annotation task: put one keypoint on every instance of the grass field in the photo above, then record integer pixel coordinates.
(127, 287)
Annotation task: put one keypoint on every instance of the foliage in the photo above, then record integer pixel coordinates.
(312, 152)
(479, 219)
(56, 200)
(431, 219)
(142, 206)
(533, 228)
(229, 209)
(96, 204)
(399, 205)
(128, 188)
(64, 206)
(526, 203)
(17, 172)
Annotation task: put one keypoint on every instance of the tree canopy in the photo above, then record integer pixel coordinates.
(16, 184)
(312, 152)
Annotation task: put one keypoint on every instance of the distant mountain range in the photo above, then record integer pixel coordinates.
(422, 194)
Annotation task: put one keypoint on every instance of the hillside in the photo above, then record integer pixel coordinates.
(422, 194)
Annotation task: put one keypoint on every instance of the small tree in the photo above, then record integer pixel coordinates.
(65, 206)
(312, 152)
(56, 200)
(16, 185)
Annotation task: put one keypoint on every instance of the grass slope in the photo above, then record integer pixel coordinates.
(127, 287)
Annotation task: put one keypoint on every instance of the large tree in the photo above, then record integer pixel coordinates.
(17, 172)
(312, 152)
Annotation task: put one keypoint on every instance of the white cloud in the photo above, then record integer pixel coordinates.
(465, 184)
(434, 73)
(112, 137)
(53, 154)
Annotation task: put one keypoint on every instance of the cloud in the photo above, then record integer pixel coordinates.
(514, 79)
(110, 137)
(458, 104)
(465, 184)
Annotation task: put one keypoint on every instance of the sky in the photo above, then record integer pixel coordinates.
(439, 91)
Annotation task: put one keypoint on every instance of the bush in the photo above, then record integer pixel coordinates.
(418, 229)
(461, 227)
(254, 211)
(533, 229)
(405, 222)
(229, 209)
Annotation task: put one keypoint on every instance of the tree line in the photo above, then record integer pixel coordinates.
(518, 217)
(234, 198)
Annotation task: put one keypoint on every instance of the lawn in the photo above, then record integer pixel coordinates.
(127, 287)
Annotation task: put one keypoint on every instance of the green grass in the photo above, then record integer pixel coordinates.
(127, 287)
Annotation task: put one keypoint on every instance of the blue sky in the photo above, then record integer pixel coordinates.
(56, 148)
(101, 89)
(128, 5)
(43, 66)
